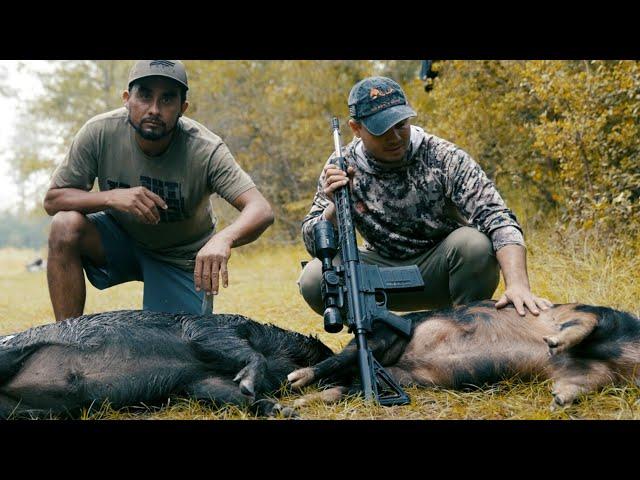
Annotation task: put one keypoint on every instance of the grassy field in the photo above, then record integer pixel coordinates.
(262, 286)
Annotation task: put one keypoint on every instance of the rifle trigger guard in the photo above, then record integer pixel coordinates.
(383, 301)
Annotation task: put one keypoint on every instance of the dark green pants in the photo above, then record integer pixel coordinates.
(460, 269)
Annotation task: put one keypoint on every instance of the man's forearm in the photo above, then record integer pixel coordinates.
(513, 263)
(74, 199)
(251, 223)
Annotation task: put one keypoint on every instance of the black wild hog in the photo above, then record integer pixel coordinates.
(580, 347)
(129, 357)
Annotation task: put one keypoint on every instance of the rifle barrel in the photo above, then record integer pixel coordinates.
(336, 137)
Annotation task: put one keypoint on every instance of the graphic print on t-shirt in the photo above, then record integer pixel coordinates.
(170, 192)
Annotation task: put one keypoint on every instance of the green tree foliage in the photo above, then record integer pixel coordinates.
(74, 92)
(275, 117)
(78, 90)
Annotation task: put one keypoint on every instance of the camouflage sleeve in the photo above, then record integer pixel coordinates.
(469, 188)
(506, 236)
(320, 203)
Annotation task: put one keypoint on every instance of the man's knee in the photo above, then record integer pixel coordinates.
(470, 245)
(67, 229)
(473, 267)
(309, 283)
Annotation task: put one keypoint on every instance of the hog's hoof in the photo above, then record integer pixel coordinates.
(246, 381)
(561, 399)
(301, 378)
(271, 409)
(246, 387)
(554, 345)
(281, 410)
(301, 402)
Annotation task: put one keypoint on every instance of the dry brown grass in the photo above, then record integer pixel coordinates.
(262, 286)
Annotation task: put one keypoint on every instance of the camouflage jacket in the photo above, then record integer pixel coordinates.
(405, 210)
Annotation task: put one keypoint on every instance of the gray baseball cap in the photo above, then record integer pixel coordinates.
(173, 69)
(379, 103)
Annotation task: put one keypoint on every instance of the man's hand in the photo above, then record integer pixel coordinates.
(211, 263)
(521, 296)
(334, 178)
(139, 202)
(513, 263)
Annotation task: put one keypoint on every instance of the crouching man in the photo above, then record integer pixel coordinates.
(151, 219)
(419, 199)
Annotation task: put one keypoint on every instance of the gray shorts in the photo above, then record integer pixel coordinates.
(166, 288)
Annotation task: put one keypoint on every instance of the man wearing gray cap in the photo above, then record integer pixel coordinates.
(419, 199)
(151, 218)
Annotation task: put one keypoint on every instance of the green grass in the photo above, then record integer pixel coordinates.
(263, 287)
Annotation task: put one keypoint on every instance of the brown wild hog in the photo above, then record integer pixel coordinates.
(580, 347)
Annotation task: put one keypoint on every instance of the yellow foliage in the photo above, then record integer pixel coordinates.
(564, 131)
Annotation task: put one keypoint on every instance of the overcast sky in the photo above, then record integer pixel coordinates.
(27, 86)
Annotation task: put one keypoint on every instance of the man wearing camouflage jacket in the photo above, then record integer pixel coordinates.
(419, 199)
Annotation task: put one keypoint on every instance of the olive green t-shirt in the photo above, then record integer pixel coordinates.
(196, 165)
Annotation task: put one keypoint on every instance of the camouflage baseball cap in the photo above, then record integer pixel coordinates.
(173, 69)
(379, 103)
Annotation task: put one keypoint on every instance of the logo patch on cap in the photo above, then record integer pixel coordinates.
(161, 63)
(375, 93)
